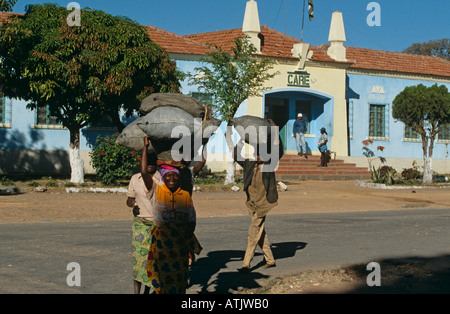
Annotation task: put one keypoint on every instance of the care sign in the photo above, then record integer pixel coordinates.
(298, 79)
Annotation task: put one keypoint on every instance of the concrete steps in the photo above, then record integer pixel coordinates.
(294, 167)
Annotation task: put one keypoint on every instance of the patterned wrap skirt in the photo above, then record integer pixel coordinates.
(140, 248)
(168, 259)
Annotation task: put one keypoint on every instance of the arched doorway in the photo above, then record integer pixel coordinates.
(283, 105)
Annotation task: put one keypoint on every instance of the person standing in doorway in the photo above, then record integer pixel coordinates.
(299, 130)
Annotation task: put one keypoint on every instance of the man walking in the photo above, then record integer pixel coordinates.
(262, 195)
(299, 129)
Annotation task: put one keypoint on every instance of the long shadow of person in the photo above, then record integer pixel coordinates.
(227, 282)
(205, 268)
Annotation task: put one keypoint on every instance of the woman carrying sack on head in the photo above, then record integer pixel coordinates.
(172, 236)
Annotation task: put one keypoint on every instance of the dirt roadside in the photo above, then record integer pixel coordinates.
(300, 197)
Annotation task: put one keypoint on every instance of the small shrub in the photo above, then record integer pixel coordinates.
(51, 183)
(385, 170)
(7, 182)
(112, 162)
(33, 183)
(410, 174)
(383, 174)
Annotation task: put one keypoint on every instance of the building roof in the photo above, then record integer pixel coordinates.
(5, 15)
(370, 59)
(173, 43)
(276, 44)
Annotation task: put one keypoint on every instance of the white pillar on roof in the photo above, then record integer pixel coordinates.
(337, 37)
(251, 26)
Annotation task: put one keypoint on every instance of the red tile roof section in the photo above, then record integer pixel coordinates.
(370, 59)
(223, 39)
(173, 43)
(5, 15)
(276, 44)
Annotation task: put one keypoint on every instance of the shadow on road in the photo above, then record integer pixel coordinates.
(409, 275)
(215, 262)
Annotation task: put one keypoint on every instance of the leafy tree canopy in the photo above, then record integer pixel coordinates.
(425, 109)
(232, 77)
(439, 48)
(7, 5)
(82, 72)
(418, 105)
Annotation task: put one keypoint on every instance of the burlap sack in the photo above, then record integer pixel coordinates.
(248, 128)
(185, 102)
(132, 137)
(164, 123)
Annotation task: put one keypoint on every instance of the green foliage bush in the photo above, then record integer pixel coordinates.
(7, 182)
(112, 162)
(411, 174)
(385, 171)
(383, 174)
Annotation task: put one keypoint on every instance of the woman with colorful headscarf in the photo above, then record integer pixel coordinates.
(172, 235)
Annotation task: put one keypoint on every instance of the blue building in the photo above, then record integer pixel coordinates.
(348, 90)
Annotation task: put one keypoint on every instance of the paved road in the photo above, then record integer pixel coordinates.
(34, 257)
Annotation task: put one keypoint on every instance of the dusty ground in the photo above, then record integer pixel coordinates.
(300, 197)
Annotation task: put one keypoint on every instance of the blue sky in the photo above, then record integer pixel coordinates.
(403, 22)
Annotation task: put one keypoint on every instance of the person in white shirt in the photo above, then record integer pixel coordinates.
(140, 199)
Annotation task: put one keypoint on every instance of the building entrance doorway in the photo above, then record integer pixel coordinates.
(283, 105)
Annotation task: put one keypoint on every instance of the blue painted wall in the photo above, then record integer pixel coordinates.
(21, 135)
(360, 96)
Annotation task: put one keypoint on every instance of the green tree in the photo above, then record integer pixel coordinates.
(231, 77)
(439, 48)
(425, 109)
(82, 73)
(7, 5)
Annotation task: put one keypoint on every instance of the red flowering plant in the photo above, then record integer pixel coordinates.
(383, 174)
(367, 152)
(112, 162)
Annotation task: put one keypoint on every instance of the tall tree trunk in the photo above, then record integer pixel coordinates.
(76, 163)
(231, 164)
(231, 171)
(427, 171)
(427, 161)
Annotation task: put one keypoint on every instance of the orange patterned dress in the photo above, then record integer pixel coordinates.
(172, 241)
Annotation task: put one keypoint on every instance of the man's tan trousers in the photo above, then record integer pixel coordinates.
(257, 236)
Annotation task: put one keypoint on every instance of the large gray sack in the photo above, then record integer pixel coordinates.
(159, 123)
(248, 128)
(132, 137)
(203, 132)
(185, 102)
